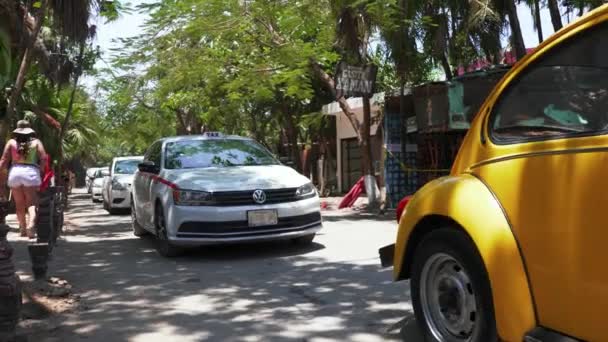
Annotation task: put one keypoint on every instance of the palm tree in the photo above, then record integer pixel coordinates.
(556, 16)
(23, 68)
(535, 11)
(70, 20)
(517, 39)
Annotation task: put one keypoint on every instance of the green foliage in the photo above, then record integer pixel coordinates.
(5, 57)
(46, 109)
(244, 67)
(234, 66)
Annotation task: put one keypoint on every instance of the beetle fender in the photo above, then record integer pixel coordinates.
(465, 200)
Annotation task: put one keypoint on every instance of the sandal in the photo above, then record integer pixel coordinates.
(31, 233)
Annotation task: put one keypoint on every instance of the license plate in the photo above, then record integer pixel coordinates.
(259, 218)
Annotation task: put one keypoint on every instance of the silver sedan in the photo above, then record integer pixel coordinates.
(215, 189)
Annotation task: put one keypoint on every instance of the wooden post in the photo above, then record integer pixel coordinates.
(10, 288)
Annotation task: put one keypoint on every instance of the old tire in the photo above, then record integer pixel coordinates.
(138, 230)
(163, 245)
(451, 291)
(304, 240)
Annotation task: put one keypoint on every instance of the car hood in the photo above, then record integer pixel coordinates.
(124, 179)
(237, 178)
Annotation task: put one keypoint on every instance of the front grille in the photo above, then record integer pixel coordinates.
(118, 200)
(229, 228)
(233, 198)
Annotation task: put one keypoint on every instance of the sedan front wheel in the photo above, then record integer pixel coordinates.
(163, 245)
(451, 292)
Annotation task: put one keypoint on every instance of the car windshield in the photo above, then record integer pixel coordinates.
(126, 167)
(101, 173)
(194, 154)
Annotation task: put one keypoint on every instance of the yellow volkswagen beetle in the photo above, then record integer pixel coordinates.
(513, 245)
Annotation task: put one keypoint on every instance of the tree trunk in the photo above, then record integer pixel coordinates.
(20, 80)
(68, 114)
(381, 179)
(292, 139)
(331, 86)
(366, 156)
(402, 112)
(556, 17)
(446, 66)
(537, 21)
(517, 38)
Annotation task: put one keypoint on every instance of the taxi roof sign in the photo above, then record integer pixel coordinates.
(213, 134)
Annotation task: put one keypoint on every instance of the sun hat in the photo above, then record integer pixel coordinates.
(23, 127)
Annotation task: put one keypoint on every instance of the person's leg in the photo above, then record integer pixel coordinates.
(31, 200)
(20, 208)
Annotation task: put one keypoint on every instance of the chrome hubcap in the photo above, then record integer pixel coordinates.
(447, 299)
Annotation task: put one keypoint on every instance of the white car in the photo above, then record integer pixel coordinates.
(90, 177)
(97, 183)
(215, 189)
(117, 185)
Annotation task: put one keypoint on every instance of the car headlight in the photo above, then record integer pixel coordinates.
(116, 185)
(193, 198)
(306, 191)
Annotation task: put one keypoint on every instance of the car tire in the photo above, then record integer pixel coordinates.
(449, 278)
(304, 240)
(163, 245)
(138, 230)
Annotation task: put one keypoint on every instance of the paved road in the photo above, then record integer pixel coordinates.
(333, 290)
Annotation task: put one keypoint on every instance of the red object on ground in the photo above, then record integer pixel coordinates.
(48, 175)
(324, 205)
(401, 206)
(351, 197)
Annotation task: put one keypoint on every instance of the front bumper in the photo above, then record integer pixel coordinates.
(191, 226)
(121, 199)
(387, 255)
(96, 193)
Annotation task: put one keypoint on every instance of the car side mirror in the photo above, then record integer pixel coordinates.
(148, 167)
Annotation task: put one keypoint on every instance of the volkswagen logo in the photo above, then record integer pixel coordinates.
(259, 196)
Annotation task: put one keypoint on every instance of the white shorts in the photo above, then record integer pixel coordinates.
(24, 175)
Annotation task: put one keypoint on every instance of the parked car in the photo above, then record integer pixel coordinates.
(216, 189)
(116, 190)
(97, 183)
(511, 246)
(90, 177)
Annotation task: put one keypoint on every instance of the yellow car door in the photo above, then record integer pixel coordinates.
(546, 161)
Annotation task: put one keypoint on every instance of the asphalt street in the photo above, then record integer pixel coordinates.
(333, 290)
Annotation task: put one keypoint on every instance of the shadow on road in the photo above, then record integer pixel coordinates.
(253, 292)
(358, 216)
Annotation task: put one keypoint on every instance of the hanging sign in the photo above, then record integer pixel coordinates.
(356, 80)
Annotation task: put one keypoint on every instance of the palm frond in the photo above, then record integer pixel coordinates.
(72, 18)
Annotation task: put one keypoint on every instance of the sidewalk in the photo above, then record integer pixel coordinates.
(329, 208)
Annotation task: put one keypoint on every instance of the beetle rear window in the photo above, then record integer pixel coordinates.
(564, 94)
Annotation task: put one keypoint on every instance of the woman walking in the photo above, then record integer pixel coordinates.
(26, 157)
